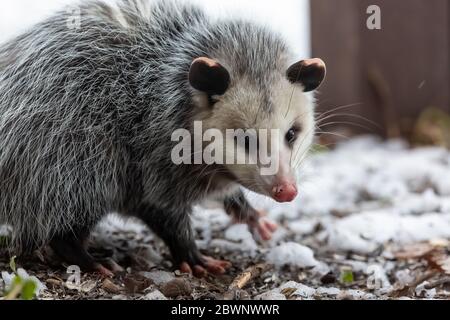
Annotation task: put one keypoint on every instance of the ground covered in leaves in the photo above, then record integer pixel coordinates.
(372, 222)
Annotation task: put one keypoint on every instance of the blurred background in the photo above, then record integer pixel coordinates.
(392, 82)
(291, 17)
(397, 77)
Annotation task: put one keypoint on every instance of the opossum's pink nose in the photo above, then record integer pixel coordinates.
(284, 192)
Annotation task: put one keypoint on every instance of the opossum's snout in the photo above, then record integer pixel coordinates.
(284, 191)
(282, 187)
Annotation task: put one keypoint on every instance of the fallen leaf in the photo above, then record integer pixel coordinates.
(176, 288)
(439, 261)
(288, 292)
(416, 251)
(53, 282)
(110, 287)
(88, 286)
(136, 283)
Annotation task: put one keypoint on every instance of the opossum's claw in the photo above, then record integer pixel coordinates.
(112, 265)
(103, 270)
(200, 272)
(266, 228)
(185, 268)
(209, 265)
(214, 266)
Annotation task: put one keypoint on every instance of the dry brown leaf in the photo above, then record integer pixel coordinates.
(136, 283)
(176, 288)
(288, 292)
(439, 261)
(418, 250)
(88, 286)
(110, 287)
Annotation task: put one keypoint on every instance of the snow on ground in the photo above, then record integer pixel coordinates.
(358, 204)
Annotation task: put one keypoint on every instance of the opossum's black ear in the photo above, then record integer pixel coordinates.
(208, 76)
(310, 73)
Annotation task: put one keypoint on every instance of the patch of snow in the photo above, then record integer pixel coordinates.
(215, 217)
(321, 269)
(229, 246)
(364, 232)
(421, 291)
(328, 291)
(271, 295)
(155, 295)
(241, 234)
(303, 227)
(357, 266)
(416, 204)
(356, 295)
(278, 236)
(159, 277)
(292, 254)
(404, 278)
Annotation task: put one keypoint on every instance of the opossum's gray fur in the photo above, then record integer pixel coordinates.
(86, 115)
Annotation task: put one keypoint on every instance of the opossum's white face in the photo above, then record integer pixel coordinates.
(267, 131)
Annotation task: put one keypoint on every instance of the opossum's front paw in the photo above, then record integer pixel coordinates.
(102, 270)
(265, 228)
(204, 266)
(71, 250)
(108, 267)
(261, 225)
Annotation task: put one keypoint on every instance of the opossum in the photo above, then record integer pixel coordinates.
(88, 111)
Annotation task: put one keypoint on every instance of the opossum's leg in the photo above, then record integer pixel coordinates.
(71, 248)
(242, 211)
(176, 231)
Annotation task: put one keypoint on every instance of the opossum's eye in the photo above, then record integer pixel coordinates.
(310, 73)
(208, 76)
(292, 135)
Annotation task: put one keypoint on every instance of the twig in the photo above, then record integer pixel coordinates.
(437, 283)
(245, 277)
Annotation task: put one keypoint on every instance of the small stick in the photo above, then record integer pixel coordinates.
(437, 283)
(245, 277)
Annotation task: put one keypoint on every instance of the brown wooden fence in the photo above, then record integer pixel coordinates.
(393, 74)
